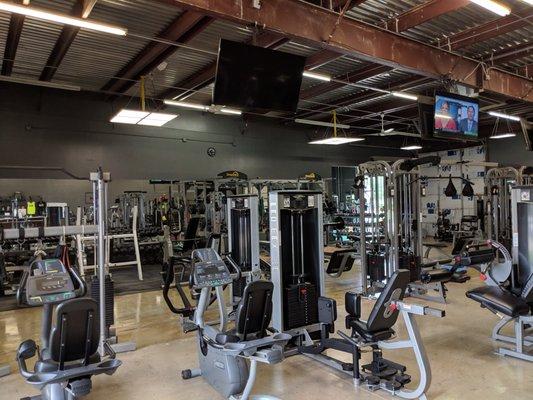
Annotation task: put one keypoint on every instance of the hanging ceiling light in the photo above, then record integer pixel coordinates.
(404, 95)
(507, 133)
(314, 75)
(142, 117)
(61, 18)
(504, 116)
(503, 135)
(335, 139)
(186, 104)
(494, 6)
(411, 147)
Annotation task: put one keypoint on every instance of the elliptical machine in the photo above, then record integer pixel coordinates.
(68, 356)
(223, 354)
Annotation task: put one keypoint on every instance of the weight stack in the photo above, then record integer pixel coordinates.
(412, 263)
(109, 297)
(376, 266)
(301, 305)
(238, 287)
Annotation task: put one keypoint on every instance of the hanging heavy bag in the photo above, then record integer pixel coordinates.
(450, 190)
(468, 190)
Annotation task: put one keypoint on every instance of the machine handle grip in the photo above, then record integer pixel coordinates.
(22, 288)
(82, 290)
(235, 267)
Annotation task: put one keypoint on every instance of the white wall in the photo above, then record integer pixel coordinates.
(458, 205)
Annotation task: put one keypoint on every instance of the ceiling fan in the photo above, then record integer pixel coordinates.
(392, 131)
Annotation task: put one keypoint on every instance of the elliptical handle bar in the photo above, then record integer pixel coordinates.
(82, 290)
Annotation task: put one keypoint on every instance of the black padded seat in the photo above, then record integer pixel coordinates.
(498, 300)
(362, 328)
(436, 245)
(436, 275)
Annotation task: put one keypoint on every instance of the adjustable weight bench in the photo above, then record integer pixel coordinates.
(513, 308)
(341, 261)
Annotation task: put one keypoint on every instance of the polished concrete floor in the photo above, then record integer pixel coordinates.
(463, 362)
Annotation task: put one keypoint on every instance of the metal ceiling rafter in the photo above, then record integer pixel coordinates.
(81, 9)
(489, 30)
(364, 41)
(183, 29)
(16, 22)
(423, 13)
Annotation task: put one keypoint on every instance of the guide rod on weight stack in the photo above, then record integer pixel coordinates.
(99, 180)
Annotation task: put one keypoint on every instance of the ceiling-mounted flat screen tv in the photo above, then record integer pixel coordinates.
(253, 78)
(456, 117)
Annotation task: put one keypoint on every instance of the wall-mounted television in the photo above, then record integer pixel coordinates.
(253, 78)
(456, 117)
(426, 114)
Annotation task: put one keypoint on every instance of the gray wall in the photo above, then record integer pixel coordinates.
(510, 151)
(57, 128)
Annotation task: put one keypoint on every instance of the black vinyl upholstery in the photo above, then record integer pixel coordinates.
(190, 234)
(382, 318)
(255, 309)
(77, 326)
(253, 313)
(335, 262)
(499, 300)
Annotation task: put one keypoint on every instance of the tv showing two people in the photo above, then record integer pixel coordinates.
(456, 116)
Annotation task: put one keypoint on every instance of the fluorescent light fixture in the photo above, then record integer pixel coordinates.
(503, 136)
(129, 116)
(186, 104)
(388, 130)
(336, 140)
(157, 119)
(314, 75)
(528, 2)
(504, 116)
(135, 117)
(443, 116)
(320, 123)
(404, 95)
(493, 6)
(61, 18)
(230, 111)
(412, 147)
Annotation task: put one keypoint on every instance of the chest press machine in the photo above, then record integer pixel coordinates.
(512, 298)
(301, 309)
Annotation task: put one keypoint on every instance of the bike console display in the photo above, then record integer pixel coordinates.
(48, 282)
(211, 274)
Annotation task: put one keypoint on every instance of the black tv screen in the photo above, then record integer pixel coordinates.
(427, 120)
(253, 78)
(456, 117)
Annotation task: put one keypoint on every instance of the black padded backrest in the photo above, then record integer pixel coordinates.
(382, 317)
(78, 328)
(190, 233)
(337, 258)
(255, 309)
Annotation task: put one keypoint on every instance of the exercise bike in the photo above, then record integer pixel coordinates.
(68, 356)
(224, 354)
